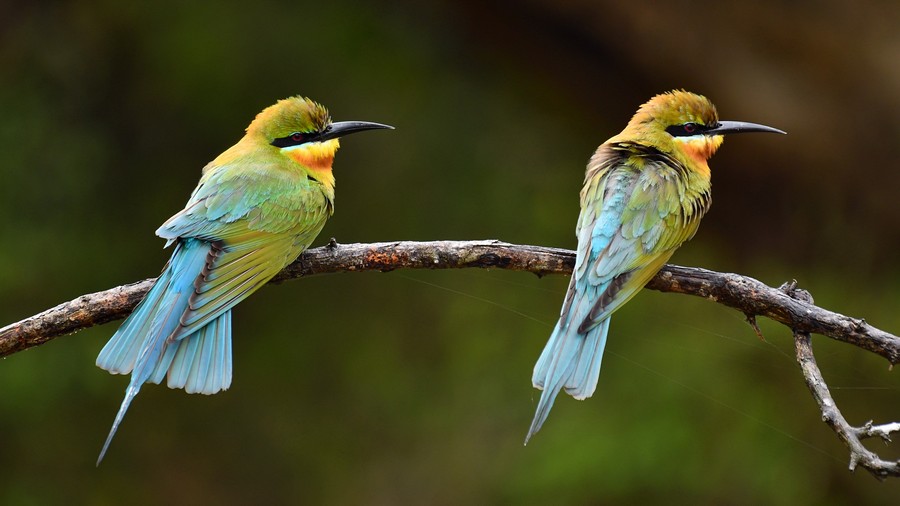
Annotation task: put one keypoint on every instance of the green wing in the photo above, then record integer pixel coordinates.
(636, 211)
(257, 220)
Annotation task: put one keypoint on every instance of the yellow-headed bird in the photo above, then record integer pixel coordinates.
(644, 193)
(257, 207)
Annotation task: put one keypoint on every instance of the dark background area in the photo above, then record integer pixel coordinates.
(414, 386)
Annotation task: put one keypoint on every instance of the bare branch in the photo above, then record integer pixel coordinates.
(883, 431)
(859, 454)
(851, 436)
(754, 298)
(70, 317)
(745, 294)
(787, 305)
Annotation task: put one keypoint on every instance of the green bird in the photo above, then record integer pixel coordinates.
(644, 194)
(257, 207)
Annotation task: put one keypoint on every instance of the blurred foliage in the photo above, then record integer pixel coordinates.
(414, 387)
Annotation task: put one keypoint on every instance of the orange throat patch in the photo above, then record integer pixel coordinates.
(316, 157)
(698, 150)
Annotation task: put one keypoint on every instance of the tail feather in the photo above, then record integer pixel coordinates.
(140, 345)
(129, 395)
(219, 338)
(202, 363)
(163, 364)
(583, 381)
(570, 360)
(121, 351)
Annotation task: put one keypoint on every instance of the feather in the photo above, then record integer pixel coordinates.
(632, 220)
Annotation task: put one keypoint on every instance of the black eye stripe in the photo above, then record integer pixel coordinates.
(295, 139)
(687, 129)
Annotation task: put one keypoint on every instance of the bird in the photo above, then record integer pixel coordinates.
(645, 191)
(258, 205)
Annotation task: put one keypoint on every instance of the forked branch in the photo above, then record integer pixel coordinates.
(751, 297)
(851, 436)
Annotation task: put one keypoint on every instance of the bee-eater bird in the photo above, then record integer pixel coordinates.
(644, 193)
(257, 207)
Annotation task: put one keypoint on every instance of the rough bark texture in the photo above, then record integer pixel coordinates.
(851, 436)
(745, 294)
(754, 298)
(787, 305)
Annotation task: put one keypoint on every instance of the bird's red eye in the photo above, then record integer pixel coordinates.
(295, 139)
(690, 128)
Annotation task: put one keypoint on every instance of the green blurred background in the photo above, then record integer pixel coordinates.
(414, 386)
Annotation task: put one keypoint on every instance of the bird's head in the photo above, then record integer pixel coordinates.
(685, 125)
(302, 130)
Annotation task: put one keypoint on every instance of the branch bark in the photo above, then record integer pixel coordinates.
(851, 436)
(786, 305)
(751, 297)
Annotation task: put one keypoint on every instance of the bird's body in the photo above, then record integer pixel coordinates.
(257, 206)
(644, 194)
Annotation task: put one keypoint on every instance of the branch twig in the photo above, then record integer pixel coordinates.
(791, 307)
(851, 436)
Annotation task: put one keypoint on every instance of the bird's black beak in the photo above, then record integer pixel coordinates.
(736, 127)
(342, 128)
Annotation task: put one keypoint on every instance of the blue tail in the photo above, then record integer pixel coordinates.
(570, 360)
(200, 362)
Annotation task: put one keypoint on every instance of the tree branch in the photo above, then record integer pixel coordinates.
(851, 436)
(785, 305)
(745, 294)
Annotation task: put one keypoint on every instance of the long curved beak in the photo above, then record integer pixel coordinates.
(342, 128)
(737, 127)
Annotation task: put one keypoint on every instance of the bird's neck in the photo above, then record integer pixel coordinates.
(693, 152)
(313, 160)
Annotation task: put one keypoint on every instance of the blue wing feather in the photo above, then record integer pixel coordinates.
(140, 346)
(229, 242)
(620, 233)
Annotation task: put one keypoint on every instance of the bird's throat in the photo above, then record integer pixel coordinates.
(317, 158)
(697, 150)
